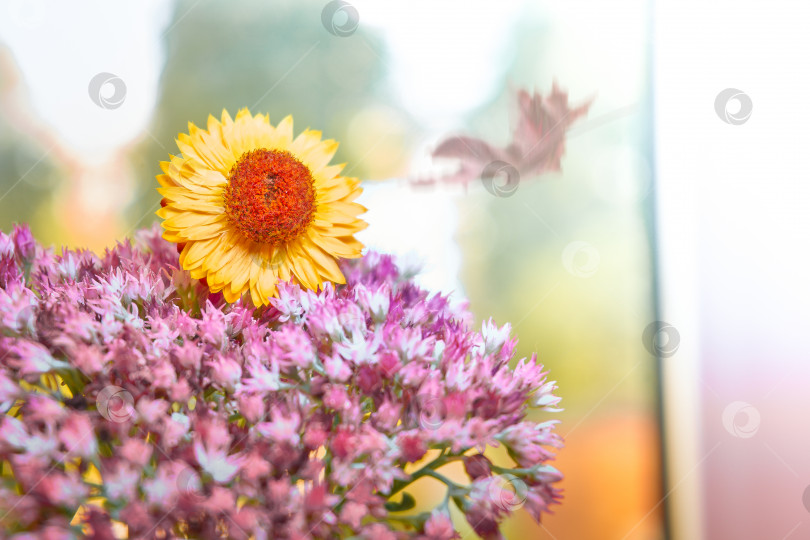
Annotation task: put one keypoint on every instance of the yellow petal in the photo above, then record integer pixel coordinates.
(325, 228)
(339, 212)
(318, 157)
(326, 264)
(327, 174)
(302, 267)
(178, 220)
(284, 131)
(224, 252)
(171, 236)
(241, 266)
(266, 285)
(184, 200)
(345, 190)
(345, 247)
(194, 252)
(166, 180)
(230, 296)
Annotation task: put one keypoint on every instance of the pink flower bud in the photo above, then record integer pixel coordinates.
(251, 406)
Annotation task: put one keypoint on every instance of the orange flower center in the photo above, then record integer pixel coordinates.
(270, 196)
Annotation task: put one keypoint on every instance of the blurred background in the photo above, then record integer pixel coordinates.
(93, 94)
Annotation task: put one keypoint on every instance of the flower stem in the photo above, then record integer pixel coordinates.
(428, 469)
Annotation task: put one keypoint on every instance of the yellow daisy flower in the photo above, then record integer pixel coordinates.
(249, 205)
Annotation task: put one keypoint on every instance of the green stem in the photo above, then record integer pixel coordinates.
(428, 469)
(442, 478)
(516, 472)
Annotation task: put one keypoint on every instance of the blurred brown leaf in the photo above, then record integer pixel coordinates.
(538, 140)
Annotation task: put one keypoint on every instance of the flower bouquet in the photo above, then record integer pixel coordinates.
(247, 372)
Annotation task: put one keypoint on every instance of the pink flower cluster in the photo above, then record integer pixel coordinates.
(130, 395)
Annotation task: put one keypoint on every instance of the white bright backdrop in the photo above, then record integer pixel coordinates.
(734, 235)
